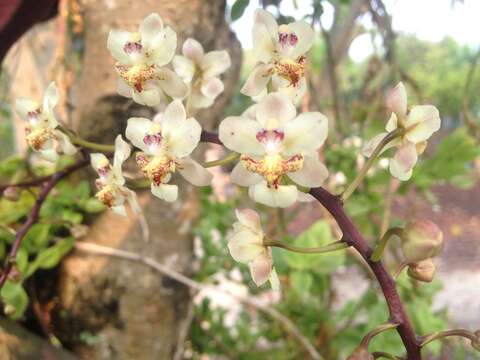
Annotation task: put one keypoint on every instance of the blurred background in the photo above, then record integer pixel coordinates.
(70, 304)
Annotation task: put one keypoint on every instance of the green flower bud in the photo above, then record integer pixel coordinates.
(11, 193)
(422, 239)
(422, 271)
(360, 353)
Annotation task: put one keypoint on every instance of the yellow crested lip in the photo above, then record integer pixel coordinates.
(37, 138)
(136, 75)
(156, 169)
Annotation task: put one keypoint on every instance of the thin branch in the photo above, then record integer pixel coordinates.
(34, 215)
(150, 262)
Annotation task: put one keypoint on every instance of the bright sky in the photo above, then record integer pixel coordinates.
(427, 19)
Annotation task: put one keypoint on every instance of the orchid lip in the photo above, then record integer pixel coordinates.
(132, 47)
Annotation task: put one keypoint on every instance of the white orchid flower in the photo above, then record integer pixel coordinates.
(141, 58)
(201, 71)
(42, 135)
(245, 244)
(280, 52)
(418, 123)
(111, 184)
(166, 145)
(274, 143)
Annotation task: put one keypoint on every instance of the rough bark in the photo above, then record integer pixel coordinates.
(134, 313)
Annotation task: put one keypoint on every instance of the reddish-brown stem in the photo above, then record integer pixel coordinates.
(353, 237)
(51, 181)
(27, 183)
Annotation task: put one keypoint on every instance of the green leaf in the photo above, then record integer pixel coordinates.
(302, 282)
(238, 9)
(319, 234)
(36, 238)
(92, 205)
(22, 260)
(11, 212)
(15, 299)
(71, 216)
(51, 256)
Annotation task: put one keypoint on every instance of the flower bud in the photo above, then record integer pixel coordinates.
(397, 100)
(11, 193)
(360, 353)
(422, 271)
(422, 239)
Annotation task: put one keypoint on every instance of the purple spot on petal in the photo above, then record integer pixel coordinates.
(152, 139)
(132, 47)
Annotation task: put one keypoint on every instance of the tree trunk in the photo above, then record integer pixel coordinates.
(132, 312)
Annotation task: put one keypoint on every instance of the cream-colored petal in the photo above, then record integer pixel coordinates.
(305, 36)
(392, 123)
(64, 143)
(244, 245)
(173, 115)
(136, 130)
(397, 100)
(263, 43)
(119, 210)
(183, 137)
(250, 219)
(257, 80)
(212, 87)
(274, 281)
(49, 154)
(312, 174)
(261, 268)
(294, 92)
(284, 196)
(123, 88)
(165, 192)
(162, 47)
(240, 134)
(422, 122)
(98, 161)
(306, 133)
(184, 67)
(215, 63)
(403, 161)
(194, 173)
(275, 109)
(266, 19)
(26, 105)
(172, 84)
(193, 50)
(133, 201)
(200, 101)
(148, 96)
(50, 98)
(115, 43)
(243, 177)
(122, 152)
(150, 27)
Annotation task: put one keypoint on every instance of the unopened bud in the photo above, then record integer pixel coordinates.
(360, 353)
(11, 193)
(397, 100)
(422, 271)
(9, 310)
(14, 275)
(476, 341)
(422, 239)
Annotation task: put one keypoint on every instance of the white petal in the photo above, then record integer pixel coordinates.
(306, 133)
(294, 92)
(257, 80)
(397, 100)
(49, 154)
(243, 177)
(133, 201)
(264, 35)
(403, 161)
(282, 197)
(250, 219)
(115, 43)
(26, 105)
(136, 130)
(122, 152)
(212, 87)
(192, 50)
(199, 101)
(174, 114)
(274, 281)
(194, 173)
(239, 134)
(98, 161)
(165, 192)
(215, 63)
(123, 88)
(392, 123)
(148, 96)
(245, 245)
(422, 122)
(265, 18)
(305, 35)
(251, 112)
(312, 174)
(150, 27)
(184, 67)
(275, 109)
(261, 268)
(162, 47)
(65, 144)
(50, 98)
(119, 210)
(172, 84)
(181, 137)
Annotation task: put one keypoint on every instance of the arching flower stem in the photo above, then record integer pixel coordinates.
(338, 245)
(380, 247)
(424, 340)
(231, 157)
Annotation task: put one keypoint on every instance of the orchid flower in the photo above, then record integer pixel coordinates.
(418, 124)
(141, 58)
(166, 145)
(280, 52)
(245, 244)
(41, 129)
(201, 72)
(112, 191)
(276, 143)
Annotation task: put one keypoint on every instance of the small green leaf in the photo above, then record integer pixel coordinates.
(238, 9)
(15, 299)
(92, 205)
(51, 256)
(72, 216)
(319, 234)
(302, 282)
(22, 260)
(36, 238)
